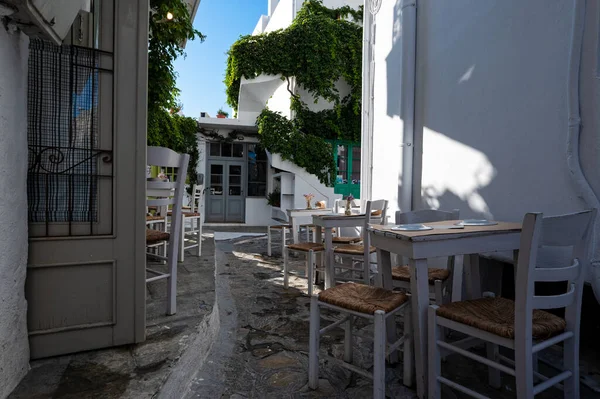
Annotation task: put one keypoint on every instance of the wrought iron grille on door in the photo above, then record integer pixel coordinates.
(70, 155)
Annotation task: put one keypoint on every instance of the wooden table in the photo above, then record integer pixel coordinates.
(299, 217)
(328, 223)
(420, 245)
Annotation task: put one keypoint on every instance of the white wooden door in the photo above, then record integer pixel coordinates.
(86, 183)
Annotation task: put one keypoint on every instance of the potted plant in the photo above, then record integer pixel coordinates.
(274, 198)
(222, 114)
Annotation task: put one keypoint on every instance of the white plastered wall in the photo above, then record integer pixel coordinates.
(14, 346)
(491, 118)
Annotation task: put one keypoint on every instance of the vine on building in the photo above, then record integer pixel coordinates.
(170, 27)
(321, 47)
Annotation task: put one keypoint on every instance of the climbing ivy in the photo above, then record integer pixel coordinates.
(320, 47)
(280, 135)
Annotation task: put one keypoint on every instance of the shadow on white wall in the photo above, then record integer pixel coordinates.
(449, 159)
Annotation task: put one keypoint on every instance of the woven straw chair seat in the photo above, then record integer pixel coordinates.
(497, 316)
(150, 218)
(186, 214)
(346, 240)
(154, 236)
(306, 246)
(281, 226)
(362, 298)
(353, 249)
(402, 273)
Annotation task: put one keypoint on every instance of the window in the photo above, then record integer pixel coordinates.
(257, 171)
(226, 150)
(215, 149)
(62, 133)
(355, 176)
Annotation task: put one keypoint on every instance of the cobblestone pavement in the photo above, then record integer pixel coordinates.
(237, 334)
(133, 371)
(267, 354)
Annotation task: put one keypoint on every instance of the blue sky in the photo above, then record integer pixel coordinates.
(202, 72)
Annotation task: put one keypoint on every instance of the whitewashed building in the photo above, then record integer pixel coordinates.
(247, 203)
(491, 107)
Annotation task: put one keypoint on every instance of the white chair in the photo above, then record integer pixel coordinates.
(359, 255)
(284, 229)
(440, 280)
(157, 222)
(308, 248)
(372, 303)
(339, 237)
(191, 227)
(162, 194)
(521, 325)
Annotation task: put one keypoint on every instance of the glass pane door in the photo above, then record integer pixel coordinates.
(216, 179)
(342, 164)
(235, 180)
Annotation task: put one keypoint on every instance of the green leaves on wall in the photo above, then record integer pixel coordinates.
(318, 49)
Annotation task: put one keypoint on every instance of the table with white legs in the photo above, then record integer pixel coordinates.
(418, 246)
(298, 217)
(328, 223)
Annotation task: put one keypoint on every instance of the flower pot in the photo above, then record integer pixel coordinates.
(221, 116)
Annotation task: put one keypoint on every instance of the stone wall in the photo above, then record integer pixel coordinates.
(14, 347)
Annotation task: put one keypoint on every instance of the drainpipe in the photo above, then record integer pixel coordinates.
(582, 185)
(409, 60)
(366, 120)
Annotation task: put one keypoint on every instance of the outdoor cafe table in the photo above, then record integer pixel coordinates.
(417, 246)
(328, 223)
(299, 217)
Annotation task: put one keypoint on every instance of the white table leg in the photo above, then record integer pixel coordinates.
(322, 260)
(329, 272)
(294, 230)
(384, 265)
(473, 277)
(419, 288)
(515, 263)
(457, 278)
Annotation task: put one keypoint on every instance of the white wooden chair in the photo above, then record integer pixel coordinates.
(162, 194)
(191, 227)
(157, 222)
(310, 249)
(522, 325)
(338, 236)
(358, 256)
(284, 229)
(372, 303)
(440, 280)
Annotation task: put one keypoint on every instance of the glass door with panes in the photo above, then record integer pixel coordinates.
(347, 159)
(226, 182)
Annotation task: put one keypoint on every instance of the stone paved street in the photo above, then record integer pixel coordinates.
(237, 334)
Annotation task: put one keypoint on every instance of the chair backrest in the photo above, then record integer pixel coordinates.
(162, 194)
(197, 194)
(377, 212)
(573, 230)
(339, 205)
(426, 216)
